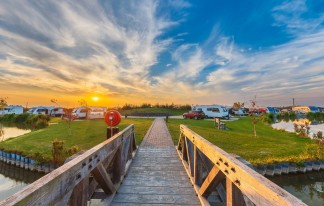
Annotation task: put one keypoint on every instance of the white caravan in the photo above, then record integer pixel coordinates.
(39, 110)
(12, 110)
(212, 110)
(57, 111)
(80, 112)
(89, 112)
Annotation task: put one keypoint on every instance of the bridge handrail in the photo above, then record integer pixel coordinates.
(207, 166)
(71, 183)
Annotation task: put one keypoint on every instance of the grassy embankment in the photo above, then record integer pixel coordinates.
(270, 146)
(171, 111)
(84, 135)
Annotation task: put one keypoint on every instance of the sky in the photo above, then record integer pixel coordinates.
(167, 51)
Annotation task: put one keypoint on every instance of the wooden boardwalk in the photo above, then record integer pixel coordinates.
(156, 175)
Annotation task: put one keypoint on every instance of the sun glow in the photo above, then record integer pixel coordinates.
(95, 98)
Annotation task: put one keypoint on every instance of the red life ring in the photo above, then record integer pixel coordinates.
(112, 118)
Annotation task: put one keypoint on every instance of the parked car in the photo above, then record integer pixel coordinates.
(194, 115)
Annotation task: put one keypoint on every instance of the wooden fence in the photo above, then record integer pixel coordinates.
(209, 167)
(75, 182)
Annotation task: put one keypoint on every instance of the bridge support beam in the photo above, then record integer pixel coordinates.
(103, 179)
(234, 196)
(214, 177)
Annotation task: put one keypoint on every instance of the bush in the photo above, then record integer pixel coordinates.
(72, 150)
(267, 118)
(32, 121)
(57, 152)
(21, 118)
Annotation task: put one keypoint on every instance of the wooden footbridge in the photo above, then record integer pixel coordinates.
(117, 172)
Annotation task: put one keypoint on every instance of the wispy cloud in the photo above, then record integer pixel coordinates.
(91, 42)
(291, 15)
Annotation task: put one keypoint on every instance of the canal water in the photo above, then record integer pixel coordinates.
(13, 179)
(308, 187)
(11, 131)
(289, 126)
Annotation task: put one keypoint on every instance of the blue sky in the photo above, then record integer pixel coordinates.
(196, 52)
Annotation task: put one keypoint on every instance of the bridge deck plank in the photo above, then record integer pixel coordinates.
(156, 175)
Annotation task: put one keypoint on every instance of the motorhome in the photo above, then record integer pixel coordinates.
(212, 110)
(56, 111)
(39, 110)
(12, 109)
(89, 112)
(80, 112)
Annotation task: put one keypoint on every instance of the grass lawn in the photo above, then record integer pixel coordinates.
(84, 134)
(270, 146)
(154, 110)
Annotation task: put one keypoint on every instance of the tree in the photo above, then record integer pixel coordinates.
(3, 102)
(83, 103)
(238, 105)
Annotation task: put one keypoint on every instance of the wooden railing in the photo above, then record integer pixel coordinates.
(209, 167)
(75, 182)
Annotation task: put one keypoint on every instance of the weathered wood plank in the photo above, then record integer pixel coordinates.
(155, 190)
(141, 204)
(156, 199)
(157, 168)
(166, 183)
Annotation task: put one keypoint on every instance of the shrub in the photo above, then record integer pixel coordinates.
(57, 152)
(21, 118)
(72, 150)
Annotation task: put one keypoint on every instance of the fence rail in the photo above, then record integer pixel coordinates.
(210, 167)
(75, 182)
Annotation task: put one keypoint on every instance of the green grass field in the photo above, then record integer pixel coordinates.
(270, 146)
(154, 110)
(84, 134)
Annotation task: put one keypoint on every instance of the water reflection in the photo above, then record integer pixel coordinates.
(307, 187)
(314, 127)
(12, 130)
(13, 179)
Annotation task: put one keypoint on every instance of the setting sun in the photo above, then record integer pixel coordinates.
(95, 98)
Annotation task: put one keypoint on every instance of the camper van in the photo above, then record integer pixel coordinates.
(89, 112)
(212, 110)
(12, 110)
(80, 112)
(56, 112)
(39, 110)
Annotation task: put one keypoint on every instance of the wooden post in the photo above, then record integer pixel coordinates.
(80, 193)
(189, 158)
(197, 167)
(117, 165)
(234, 196)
